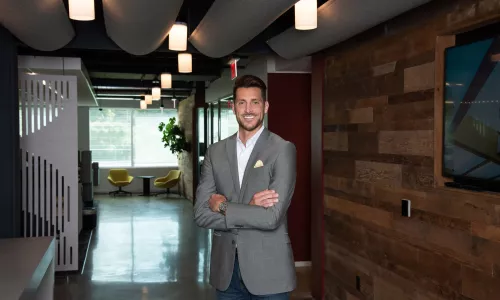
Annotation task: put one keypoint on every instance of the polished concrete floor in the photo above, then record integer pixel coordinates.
(147, 249)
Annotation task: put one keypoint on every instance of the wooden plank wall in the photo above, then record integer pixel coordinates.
(378, 149)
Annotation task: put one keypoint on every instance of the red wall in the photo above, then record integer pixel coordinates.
(289, 116)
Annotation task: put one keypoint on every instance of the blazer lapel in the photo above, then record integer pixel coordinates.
(259, 146)
(233, 162)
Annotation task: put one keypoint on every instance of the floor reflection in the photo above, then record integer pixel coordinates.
(143, 248)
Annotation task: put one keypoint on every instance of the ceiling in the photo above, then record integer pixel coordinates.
(126, 47)
(117, 74)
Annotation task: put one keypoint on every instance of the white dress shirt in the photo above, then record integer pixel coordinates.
(243, 151)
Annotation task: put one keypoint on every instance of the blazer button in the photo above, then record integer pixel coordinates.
(234, 242)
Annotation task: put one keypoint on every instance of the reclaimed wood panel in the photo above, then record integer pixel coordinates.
(384, 69)
(348, 278)
(382, 124)
(419, 78)
(489, 232)
(368, 155)
(372, 102)
(416, 177)
(362, 212)
(415, 142)
(405, 260)
(407, 111)
(478, 285)
(361, 115)
(385, 290)
(411, 97)
(382, 137)
(339, 167)
(336, 141)
(389, 175)
(363, 142)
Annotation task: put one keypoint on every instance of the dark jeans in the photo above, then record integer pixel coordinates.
(238, 291)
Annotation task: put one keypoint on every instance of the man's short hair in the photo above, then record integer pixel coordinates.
(249, 81)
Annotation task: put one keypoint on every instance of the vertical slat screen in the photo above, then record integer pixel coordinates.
(49, 172)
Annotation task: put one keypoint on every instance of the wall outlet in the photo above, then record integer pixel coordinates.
(406, 208)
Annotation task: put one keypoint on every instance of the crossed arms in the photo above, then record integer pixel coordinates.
(258, 214)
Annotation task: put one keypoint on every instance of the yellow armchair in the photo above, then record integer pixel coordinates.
(168, 181)
(119, 178)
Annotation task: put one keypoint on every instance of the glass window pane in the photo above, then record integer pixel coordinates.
(229, 125)
(123, 137)
(110, 137)
(149, 150)
(215, 121)
(209, 125)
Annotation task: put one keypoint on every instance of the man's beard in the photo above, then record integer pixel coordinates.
(248, 127)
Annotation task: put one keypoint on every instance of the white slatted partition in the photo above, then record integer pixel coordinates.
(49, 151)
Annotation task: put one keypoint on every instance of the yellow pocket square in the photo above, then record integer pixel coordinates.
(259, 164)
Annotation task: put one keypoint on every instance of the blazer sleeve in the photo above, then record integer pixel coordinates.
(240, 215)
(203, 215)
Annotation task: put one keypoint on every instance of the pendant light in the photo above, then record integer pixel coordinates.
(81, 10)
(166, 80)
(156, 93)
(306, 15)
(143, 104)
(185, 62)
(148, 99)
(177, 37)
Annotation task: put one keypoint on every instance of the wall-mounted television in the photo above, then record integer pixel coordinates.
(471, 140)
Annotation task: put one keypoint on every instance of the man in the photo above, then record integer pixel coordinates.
(245, 189)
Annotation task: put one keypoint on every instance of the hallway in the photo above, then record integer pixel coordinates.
(144, 248)
(148, 248)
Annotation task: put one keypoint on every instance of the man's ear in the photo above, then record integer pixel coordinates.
(266, 106)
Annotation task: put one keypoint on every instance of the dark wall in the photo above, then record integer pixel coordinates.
(289, 116)
(317, 207)
(378, 149)
(10, 211)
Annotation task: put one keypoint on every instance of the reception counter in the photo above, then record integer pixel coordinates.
(27, 268)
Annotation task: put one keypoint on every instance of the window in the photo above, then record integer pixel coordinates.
(123, 137)
(228, 123)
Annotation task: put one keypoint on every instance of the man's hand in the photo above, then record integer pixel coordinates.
(266, 198)
(215, 201)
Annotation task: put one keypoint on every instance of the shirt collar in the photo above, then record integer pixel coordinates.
(251, 140)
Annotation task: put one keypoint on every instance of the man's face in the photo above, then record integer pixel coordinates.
(249, 108)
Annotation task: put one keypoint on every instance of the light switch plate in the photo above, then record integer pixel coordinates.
(406, 208)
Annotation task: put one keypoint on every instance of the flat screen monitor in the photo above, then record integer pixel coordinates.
(471, 143)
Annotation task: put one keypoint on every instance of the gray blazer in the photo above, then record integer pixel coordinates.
(260, 234)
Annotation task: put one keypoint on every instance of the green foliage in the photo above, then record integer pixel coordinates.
(173, 136)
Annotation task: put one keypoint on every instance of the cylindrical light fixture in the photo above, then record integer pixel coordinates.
(177, 37)
(156, 91)
(306, 15)
(143, 104)
(185, 62)
(148, 99)
(81, 10)
(166, 80)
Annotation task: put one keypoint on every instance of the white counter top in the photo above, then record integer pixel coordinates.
(26, 264)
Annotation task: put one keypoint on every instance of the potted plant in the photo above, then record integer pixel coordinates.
(173, 136)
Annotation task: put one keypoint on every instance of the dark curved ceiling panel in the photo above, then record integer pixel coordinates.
(229, 24)
(140, 26)
(338, 20)
(41, 24)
